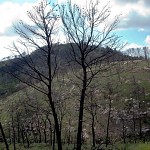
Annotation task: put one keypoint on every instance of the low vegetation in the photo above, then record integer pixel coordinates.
(28, 108)
(81, 95)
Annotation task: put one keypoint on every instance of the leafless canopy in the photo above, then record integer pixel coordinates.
(88, 30)
(40, 34)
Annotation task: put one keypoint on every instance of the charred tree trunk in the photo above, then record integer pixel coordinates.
(81, 107)
(27, 139)
(69, 133)
(108, 120)
(50, 131)
(123, 131)
(4, 137)
(14, 133)
(140, 123)
(9, 134)
(57, 128)
(18, 129)
(39, 130)
(45, 136)
(22, 135)
(54, 139)
(93, 130)
(134, 127)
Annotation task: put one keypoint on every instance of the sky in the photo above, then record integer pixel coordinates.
(134, 26)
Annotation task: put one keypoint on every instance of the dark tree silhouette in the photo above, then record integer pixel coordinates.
(4, 137)
(40, 35)
(83, 27)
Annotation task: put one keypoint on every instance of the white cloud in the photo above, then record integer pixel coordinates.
(147, 40)
(132, 45)
(4, 41)
(11, 13)
(7, 15)
(141, 29)
(135, 13)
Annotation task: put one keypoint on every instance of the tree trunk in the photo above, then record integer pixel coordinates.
(123, 131)
(57, 129)
(45, 136)
(14, 138)
(39, 130)
(140, 123)
(140, 127)
(54, 140)
(69, 133)
(134, 126)
(27, 139)
(4, 137)
(22, 135)
(108, 122)
(50, 131)
(9, 134)
(14, 134)
(93, 131)
(81, 108)
(18, 129)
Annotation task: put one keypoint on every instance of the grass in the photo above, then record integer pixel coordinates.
(37, 146)
(125, 89)
(42, 146)
(32, 147)
(140, 146)
(132, 146)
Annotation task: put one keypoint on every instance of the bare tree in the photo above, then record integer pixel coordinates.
(146, 55)
(82, 27)
(39, 35)
(4, 137)
(110, 92)
(92, 108)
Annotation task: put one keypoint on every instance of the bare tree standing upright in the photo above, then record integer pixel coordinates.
(40, 35)
(83, 27)
(146, 55)
(4, 137)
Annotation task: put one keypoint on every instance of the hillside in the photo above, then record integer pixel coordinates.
(9, 85)
(125, 84)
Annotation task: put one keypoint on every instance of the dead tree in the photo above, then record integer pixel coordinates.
(40, 35)
(109, 96)
(82, 28)
(92, 108)
(146, 55)
(4, 137)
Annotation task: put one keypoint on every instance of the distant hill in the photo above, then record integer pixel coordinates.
(38, 58)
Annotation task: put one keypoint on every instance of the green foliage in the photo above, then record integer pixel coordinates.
(138, 146)
(42, 146)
